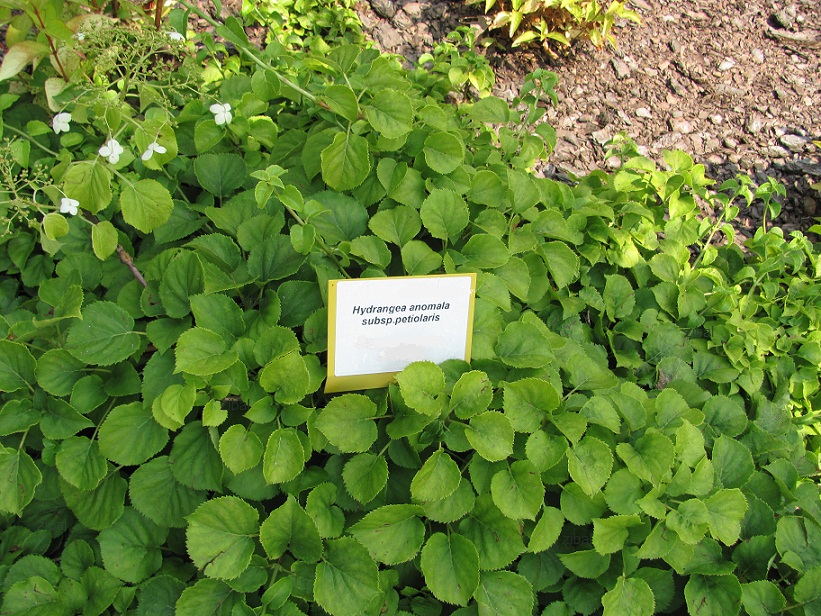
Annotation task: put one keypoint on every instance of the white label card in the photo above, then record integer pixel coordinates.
(380, 325)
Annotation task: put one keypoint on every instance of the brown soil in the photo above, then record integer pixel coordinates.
(735, 83)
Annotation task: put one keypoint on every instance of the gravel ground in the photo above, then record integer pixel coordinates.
(735, 83)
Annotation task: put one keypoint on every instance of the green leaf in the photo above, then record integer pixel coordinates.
(421, 384)
(80, 463)
(17, 367)
(220, 536)
(762, 598)
(346, 421)
(90, 184)
(397, 226)
(392, 534)
(561, 261)
(518, 492)
(287, 377)
(437, 479)
(726, 509)
(650, 458)
(733, 462)
(104, 336)
(346, 162)
(450, 564)
(629, 597)
(487, 188)
(129, 435)
(183, 278)
(55, 226)
(419, 259)
(104, 239)
(240, 449)
(588, 564)
(57, 371)
(547, 530)
(443, 152)
(590, 463)
(713, 595)
(497, 538)
(146, 204)
(491, 109)
(444, 214)
(159, 595)
(289, 528)
(341, 218)
(610, 534)
(342, 101)
(284, 456)
(156, 494)
(131, 547)
(472, 394)
(194, 460)
(208, 596)
(347, 578)
(34, 596)
(485, 251)
(527, 402)
(690, 520)
(365, 475)
(619, 297)
(523, 345)
(19, 56)
(19, 476)
(101, 507)
(274, 258)
(220, 174)
(504, 593)
(372, 249)
(491, 435)
(454, 507)
(202, 352)
(390, 113)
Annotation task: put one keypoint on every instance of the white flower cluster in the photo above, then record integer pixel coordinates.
(69, 206)
(112, 150)
(222, 113)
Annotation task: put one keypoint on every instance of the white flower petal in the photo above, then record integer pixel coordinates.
(159, 149)
(215, 108)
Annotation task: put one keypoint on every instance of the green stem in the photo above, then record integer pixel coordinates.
(25, 136)
(247, 50)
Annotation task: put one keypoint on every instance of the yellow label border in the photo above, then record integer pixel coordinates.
(335, 384)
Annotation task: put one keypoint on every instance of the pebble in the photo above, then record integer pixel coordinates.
(726, 64)
(810, 206)
(413, 9)
(643, 112)
(716, 118)
(783, 19)
(776, 151)
(384, 8)
(621, 68)
(758, 56)
(614, 162)
(781, 94)
(794, 143)
(682, 126)
(753, 125)
(601, 136)
(712, 145)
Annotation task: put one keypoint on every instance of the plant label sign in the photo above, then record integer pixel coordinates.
(377, 326)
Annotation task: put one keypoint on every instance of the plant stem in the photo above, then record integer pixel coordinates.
(246, 49)
(128, 260)
(28, 137)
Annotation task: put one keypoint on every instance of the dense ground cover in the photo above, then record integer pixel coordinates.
(636, 431)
